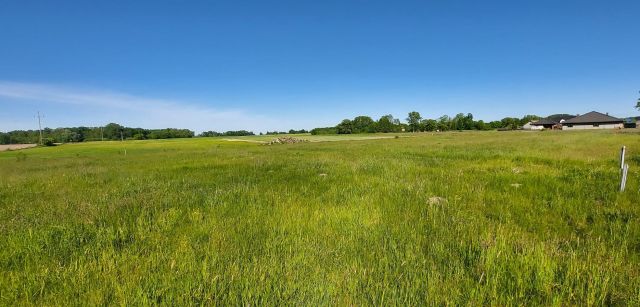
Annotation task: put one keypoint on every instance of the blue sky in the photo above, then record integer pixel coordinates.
(276, 65)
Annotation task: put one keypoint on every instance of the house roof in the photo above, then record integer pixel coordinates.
(544, 121)
(593, 117)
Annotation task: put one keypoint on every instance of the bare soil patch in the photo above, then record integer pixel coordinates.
(16, 146)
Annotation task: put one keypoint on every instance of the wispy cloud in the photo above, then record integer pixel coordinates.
(137, 110)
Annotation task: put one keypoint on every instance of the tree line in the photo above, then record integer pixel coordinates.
(228, 133)
(415, 123)
(246, 133)
(111, 131)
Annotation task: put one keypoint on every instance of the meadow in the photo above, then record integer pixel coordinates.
(500, 218)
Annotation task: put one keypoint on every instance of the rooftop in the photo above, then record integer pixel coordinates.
(593, 117)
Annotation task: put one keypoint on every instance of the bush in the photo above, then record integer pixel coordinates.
(48, 142)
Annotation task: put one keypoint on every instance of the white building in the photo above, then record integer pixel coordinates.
(529, 126)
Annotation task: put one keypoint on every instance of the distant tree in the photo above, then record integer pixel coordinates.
(5, 138)
(467, 122)
(48, 142)
(363, 124)
(458, 122)
(510, 123)
(430, 124)
(345, 127)
(528, 118)
(559, 117)
(208, 134)
(638, 104)
(326, 130)
(112, 131)
(480, 125)
(301, 131)
(386, 124)
(495, 124)
(444, 123)
(414, 120)
(237, 133)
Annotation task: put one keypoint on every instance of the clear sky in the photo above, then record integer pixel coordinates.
(276, 65)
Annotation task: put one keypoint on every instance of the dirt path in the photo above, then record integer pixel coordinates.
(16, 146)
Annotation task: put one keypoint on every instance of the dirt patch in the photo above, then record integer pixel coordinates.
(16, 146)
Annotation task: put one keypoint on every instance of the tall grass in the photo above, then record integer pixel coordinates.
(520, 218)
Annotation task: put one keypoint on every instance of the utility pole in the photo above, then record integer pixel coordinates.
(40, 127)
(102, 134)
(121, 136)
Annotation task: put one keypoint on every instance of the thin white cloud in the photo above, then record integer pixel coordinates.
(138, 111)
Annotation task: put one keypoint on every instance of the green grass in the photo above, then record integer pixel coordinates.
(528, 218)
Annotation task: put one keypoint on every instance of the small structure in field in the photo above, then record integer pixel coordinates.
(545, 123)
(531, 126)
(593, 120)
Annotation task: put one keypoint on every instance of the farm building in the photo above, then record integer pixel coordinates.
(531, 126)
(546, 123)
(593, 120)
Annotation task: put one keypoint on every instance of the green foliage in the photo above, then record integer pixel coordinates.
(386, 124)
(363, 124)
(430, 125)
(345, 127)
(228, 133)
(528, 118)
(475, 218)
(111, 131)
(414, 120)
(48, 142)
(510, 123)
(324, 131)
(558, 117)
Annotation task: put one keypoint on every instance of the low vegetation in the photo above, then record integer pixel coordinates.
(504, 218)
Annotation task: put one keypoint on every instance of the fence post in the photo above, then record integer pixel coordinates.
(622, 152)
(623, 181)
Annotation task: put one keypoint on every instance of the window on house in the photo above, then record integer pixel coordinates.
(596, 125)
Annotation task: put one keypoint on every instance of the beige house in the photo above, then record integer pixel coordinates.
(593, 120)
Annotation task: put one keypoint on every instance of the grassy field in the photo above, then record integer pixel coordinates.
(448, 218)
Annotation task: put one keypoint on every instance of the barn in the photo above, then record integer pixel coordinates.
(593, 120)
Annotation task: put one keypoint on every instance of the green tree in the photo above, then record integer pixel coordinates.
(510, 123)
(444, 123)
(345, 127)
(112, 131)
(414, 119)
(467, 122)
(363, 124)
(528, 118)
(386, 124)
(430, 124)
(480, 125)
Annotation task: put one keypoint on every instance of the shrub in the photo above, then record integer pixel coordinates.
(48, 142)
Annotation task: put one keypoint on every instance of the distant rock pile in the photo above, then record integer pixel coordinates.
(286, 140)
